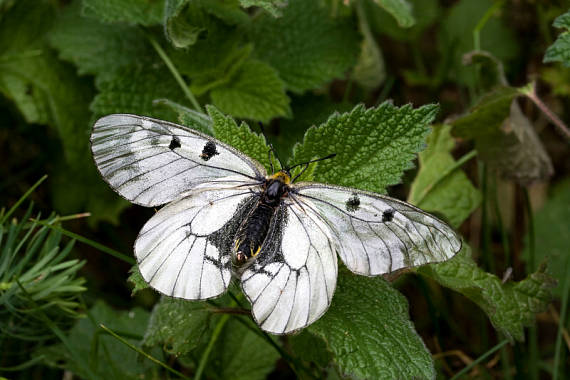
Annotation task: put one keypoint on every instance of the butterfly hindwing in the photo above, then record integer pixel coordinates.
(376, 234)
(152, 162)
(292, 283)
(184, 249)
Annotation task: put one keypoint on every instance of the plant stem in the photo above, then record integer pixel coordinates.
(175, 73)
(479, 359)
(530, 92)
(5, 217)
(138, 350)
(215, 334)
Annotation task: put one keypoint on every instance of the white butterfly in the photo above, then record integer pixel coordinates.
(225, 216)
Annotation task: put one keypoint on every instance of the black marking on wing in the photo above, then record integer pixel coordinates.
(353, 203)
(174, 143)
(388, 215)
(209, 151)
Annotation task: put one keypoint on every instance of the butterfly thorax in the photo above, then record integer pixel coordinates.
(253, 229)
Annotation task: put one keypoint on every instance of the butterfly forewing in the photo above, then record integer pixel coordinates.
(152, 162)
(378, 234)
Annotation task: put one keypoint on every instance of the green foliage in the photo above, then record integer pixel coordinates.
(552, 236)
(306, 46)
(104, 355)
(143, 12)
(440, 186)
(559, 51)
(373, 146)
(510, 306)
(401, 10)
(368, 323)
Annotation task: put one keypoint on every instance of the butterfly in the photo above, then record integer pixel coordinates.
(225, 216)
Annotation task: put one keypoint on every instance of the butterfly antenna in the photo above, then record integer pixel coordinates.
(307, 165)
(271, 149)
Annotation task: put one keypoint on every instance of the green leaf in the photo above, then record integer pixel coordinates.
(487, 116)
(137, 280)
(510, 306)
(552, 237)
(133, 89)
(374, 146)
(188, 117)
(368, 330)
(184, 22)
(256, 92)
(456, 38)
(425, 13)
(436, 188)
(107, 356)
(401, 10)
(306, 46)
(143, 12)
(559, 51)
(96, 48)
(370, 70)
(242, 138)
(558, 79)
(178, 325)
(310, 348)
(241, 354)
(271, 6)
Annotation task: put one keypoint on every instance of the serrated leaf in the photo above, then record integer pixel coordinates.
(552, 237)
(242, 138)
(143, 12)
(107, 357)
(436, 188)
(559, 51)
(374, 146)
(189, 117)
(369, 332)
(271, 6)
(306, 46)
(510, 306)
(241, 354)
(96, 48)
(401, 10)
(487, 115)
(137, 280)
(133, 89)
(177, 325)
(255, 92)
(184, 22)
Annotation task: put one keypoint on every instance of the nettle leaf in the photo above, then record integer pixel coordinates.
(374, 146)
(271, 6)
(96, 48)
(184, 22)
(368, 330)
(510, 306)
(310, 348)
(551, 234)
(137, 280)
(487, 115)
(178, 325)
(306, 46)
(425, 13)
(401, 10)
(107, 357)
(440, 185)
(559, 51)
(256, 92)
(242, 354)
(241, 138)
(188, 117)
(143, 12)
(133, 89)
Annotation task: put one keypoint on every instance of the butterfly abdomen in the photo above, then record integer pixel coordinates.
(253, 231)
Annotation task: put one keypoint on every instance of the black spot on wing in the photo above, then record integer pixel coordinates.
(388, 215)
(174, 143)
(353, 203)
(209, 151)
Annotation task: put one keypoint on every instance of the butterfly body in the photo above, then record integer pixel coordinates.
(285, 237)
